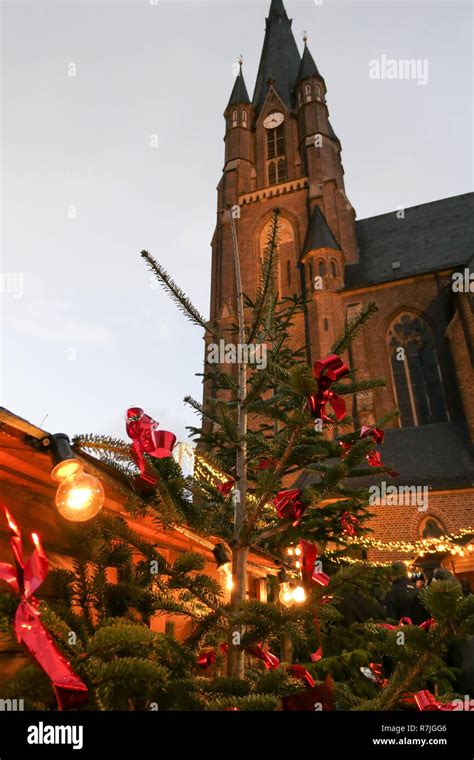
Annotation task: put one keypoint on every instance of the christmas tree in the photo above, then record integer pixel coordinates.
(264, 428)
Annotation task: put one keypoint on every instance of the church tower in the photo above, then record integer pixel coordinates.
(281, 151)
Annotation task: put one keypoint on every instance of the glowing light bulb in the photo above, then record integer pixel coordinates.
(299, 594)
(80, 498)
(286, 595)
(297, 551)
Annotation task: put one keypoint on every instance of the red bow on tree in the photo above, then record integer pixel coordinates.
(299, 671)
(408, 621)
(327, 371)
(349, 523)
(373, 457)
(425, 701)
(147, 439)
(270, 660)
(288, 505)
(25, 577)
(226, 487)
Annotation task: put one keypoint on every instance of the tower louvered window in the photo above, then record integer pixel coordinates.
(276, 161)
(416, 374)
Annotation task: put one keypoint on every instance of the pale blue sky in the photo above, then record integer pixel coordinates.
(90, 336)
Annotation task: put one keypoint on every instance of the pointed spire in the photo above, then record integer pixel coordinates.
(308, 67)
(280, 58)
(239, 92)
(319, 235)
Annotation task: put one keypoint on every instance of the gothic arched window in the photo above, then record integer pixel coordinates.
(244, 118)
(307, 91)
(321, 269)
(333, 269)
(416, 375)
(234, 118)
(430, 527)
(286, 250)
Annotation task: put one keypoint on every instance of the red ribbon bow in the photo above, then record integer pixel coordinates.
(373, 457)
(226, 487)
(299, 671)
(408, 621)
(327, 371)
(147, 439)
(25, 578)
(426, 702)
(349, 524)
(270, 660)
(289, 506)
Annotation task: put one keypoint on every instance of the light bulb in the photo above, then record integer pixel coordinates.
(80, 498)
(66, 469)
(286, 595)
(299, 594)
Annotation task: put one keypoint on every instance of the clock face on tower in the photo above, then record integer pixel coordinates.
(273, 120)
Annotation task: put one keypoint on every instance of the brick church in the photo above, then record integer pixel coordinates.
(282, 151)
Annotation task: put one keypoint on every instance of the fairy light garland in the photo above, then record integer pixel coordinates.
(432, 545)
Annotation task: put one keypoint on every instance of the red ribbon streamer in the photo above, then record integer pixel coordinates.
(326, 372)
(288, 505)
(25, 578)
(147, 439)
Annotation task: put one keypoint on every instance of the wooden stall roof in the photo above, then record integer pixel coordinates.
(27, 488)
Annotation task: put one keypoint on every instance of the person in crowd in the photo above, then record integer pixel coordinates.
(441, 574)
(403, 599)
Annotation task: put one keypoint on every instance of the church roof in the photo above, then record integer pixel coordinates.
(331, 132)
(432, 236)
(319, 235)
(446, 462)
(280, 60)
(308, 67)
(239, 91)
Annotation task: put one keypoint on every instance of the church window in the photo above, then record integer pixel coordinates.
(276, 142)
(333, 269)
(307, 91)
(234, 118)
(244, 118)
(416, 374)
(326, 324)
(276, 171)
(321, 269)
(430, 527)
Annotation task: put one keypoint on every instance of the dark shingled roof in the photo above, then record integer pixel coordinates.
(280, 58)
(239, 92)
(433, 236)
(331, 132)
(319, 235)
(437, 456)
(308, 67)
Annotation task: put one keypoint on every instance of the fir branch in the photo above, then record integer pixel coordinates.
(352, 328)
(267, 277)
(177, 295)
